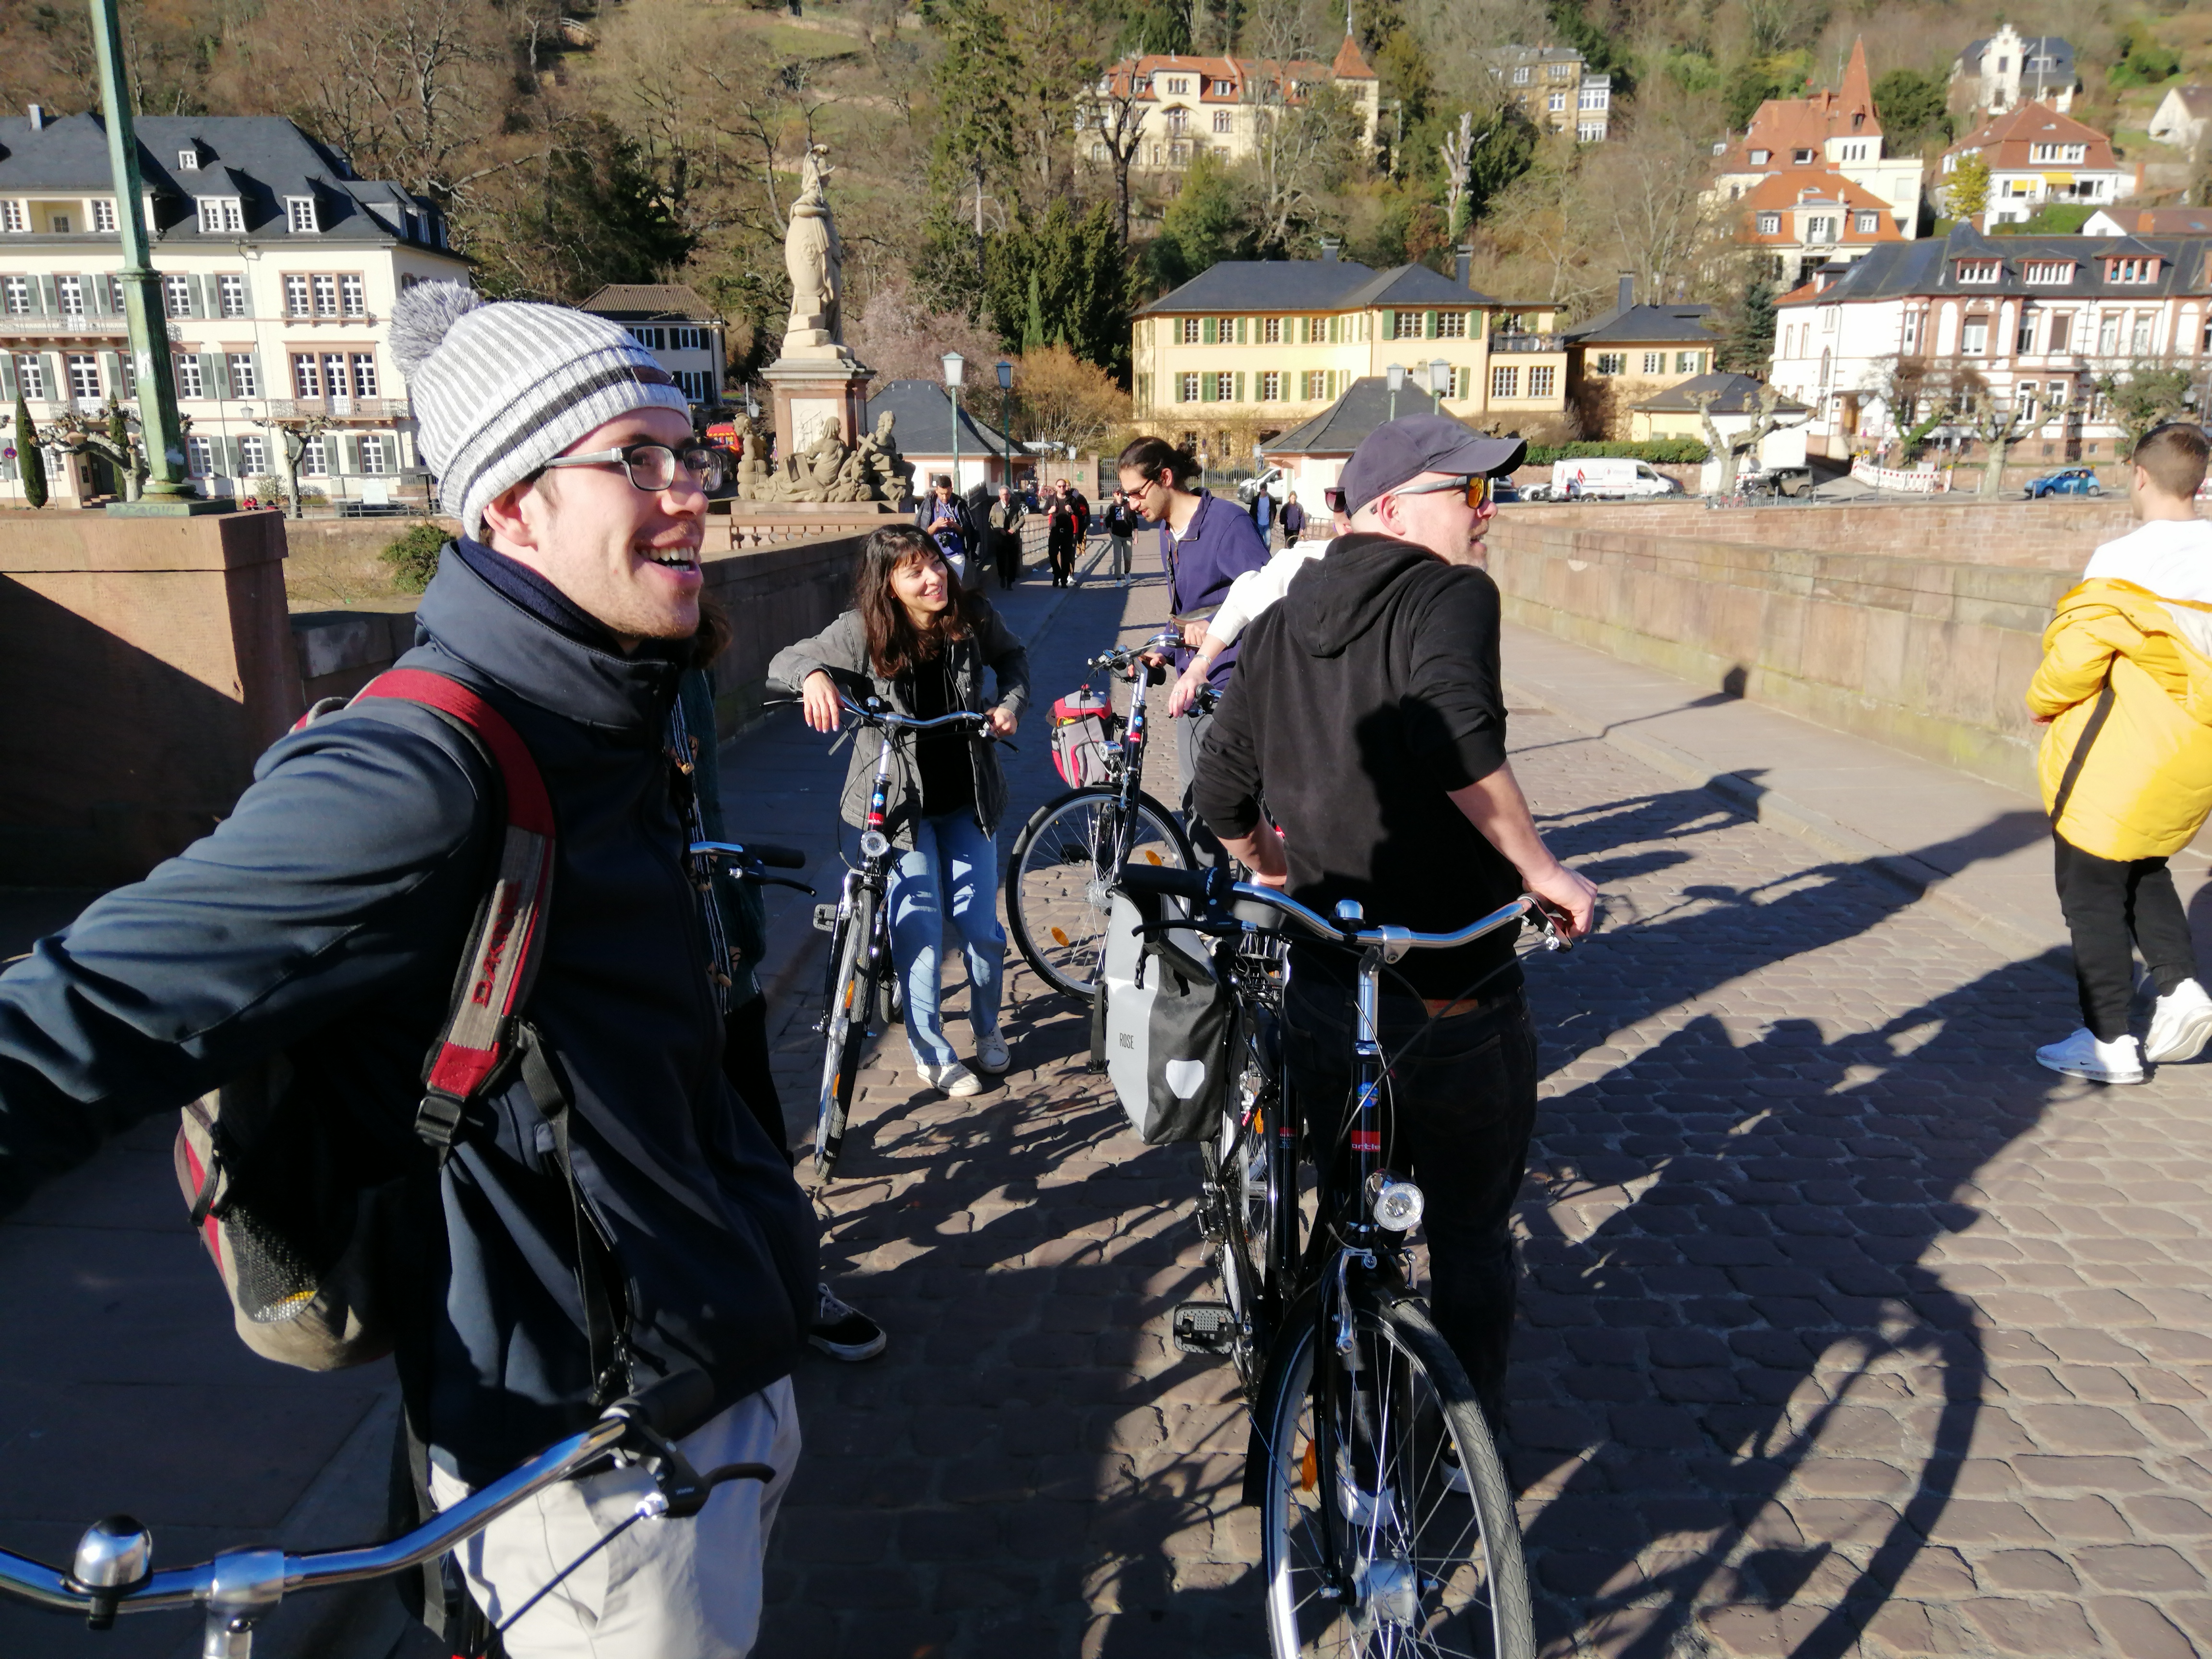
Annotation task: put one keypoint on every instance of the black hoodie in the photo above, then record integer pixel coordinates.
(1360, 701)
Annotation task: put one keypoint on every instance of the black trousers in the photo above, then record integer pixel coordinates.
(1007, 554)
(746, 1063)
(1463, 1102)
(1060, 544)
(2111, 905)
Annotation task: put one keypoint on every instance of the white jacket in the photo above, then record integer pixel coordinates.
(1255, 590)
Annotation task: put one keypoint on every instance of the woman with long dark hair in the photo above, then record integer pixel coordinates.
(918, 640)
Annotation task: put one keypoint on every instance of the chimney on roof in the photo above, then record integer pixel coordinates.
(1329, 246)
(38, 117)
(1627, 289)
(1463, 264)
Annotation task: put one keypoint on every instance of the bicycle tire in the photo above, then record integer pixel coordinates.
(1058, 925)
(1245, 1170)
(1451, 1584)
(851, 1003)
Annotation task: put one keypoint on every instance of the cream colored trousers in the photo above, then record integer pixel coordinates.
(664, 1589)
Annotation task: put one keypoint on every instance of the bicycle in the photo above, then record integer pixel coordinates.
(863, 982)
(1387, 1522)
(112, 1572)
(1060, 874)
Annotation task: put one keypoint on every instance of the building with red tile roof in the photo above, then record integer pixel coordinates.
(2036, 154)
(1187, 107)
(1809, 172)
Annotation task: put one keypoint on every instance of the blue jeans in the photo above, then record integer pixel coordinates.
(953, 858)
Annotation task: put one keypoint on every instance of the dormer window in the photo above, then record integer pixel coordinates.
(299, 215)
(1980, 270)
(2050, 271)
(188, 160)
(1521, 76)
(1770, 224)
(221, 213)
(1759, 157)
(2131, 272)
(1802, 157)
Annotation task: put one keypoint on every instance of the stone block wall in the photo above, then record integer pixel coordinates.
(1925, 647)
(144, 663)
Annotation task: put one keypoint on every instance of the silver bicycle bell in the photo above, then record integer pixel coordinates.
(113, 1556)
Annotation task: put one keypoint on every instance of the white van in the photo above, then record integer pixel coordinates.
(1275, 481)
(1606, 479)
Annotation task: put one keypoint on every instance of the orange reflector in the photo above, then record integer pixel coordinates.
(1060, 938)
(1154, 857)
(1308, 1470)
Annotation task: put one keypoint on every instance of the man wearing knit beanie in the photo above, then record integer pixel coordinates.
(322, 922)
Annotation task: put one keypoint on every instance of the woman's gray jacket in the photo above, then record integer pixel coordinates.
(841, 650)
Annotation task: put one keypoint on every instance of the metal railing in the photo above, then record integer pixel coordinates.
(372, 408)
(1526, 343)
(42, 327)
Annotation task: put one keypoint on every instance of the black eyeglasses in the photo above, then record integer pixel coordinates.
(653, 467)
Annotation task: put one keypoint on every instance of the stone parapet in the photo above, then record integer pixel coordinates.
(146, 662)
(1929, 651)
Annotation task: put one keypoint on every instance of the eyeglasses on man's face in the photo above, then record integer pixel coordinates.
(1476, 487)
(653, 467)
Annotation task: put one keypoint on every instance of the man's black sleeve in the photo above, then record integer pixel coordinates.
(1454, 703)
(354, 860)
(1226, 790)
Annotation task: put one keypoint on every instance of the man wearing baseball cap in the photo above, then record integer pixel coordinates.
(323, 922)
(1367, 710)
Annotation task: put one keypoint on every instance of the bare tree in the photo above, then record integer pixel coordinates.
(1920, 393)
(292, 436)
(1066, 401)
(1999, 425)
(1728, 447)
(1114, 115)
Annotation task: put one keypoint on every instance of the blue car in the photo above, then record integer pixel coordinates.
(2068, 481)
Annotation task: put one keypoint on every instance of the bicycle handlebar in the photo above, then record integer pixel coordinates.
(250, 1582)
(753, 852)
(1212, 889)
(868, 716)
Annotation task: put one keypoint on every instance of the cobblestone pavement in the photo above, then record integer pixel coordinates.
(1846, 1329)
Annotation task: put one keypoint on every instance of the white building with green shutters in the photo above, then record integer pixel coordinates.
(279, 269)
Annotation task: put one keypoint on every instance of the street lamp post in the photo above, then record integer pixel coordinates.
(1006, 396)
(1395, 377)
(956, 368)
(168, 490)
(1439, 383)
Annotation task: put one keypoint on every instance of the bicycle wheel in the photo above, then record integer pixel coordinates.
(1384, 1487)
(1061, 873)
(1247, 1210)
(845, 1028)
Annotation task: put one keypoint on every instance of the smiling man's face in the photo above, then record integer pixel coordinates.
(628, 558)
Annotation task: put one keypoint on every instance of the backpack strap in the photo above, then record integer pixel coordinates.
(501, 963)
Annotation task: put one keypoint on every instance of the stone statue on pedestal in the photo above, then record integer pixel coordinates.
(815, 261)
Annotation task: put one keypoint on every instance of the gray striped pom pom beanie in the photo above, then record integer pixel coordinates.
(500, 389)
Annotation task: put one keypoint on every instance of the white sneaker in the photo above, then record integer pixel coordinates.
(2081, 1056)
(2180, 1025)
(955, 1079)
(991, 1055)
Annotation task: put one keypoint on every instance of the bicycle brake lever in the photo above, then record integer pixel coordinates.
(784, 881)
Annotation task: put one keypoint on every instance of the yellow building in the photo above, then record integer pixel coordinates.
(1266, 344)
(1634, 352)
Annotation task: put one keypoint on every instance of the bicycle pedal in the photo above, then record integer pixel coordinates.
(826, 918)
(1204, 1328)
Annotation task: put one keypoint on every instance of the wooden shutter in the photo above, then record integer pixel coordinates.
(49, 299)
(1205, 388)
(111, 373)
(261, 387)
(218, 374)
(1206, 332)
(8, 387)
(245, 292)
(1240, 330)
(1239, 386)
(1428, 326)
(1335, 331)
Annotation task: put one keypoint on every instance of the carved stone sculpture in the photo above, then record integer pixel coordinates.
(815, 261)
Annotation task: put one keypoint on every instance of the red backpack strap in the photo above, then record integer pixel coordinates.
(503, 946)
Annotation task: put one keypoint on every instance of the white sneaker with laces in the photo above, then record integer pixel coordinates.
(991, 1055)
(955, 1079)
(842, 1331)
(2180, 1025)
(2081, 1056)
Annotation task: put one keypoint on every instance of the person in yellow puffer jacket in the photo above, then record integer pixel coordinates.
(2126, 688)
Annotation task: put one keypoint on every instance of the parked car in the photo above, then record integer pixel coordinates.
(1275, 481)
(1791, 481)
(1505, 489)
(2066, 481)
(1604, 479)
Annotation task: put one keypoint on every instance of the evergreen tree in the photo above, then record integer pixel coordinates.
(1061, 280)
(1914, 109)
(30, 464)
(1749, 345)
(1033, 327)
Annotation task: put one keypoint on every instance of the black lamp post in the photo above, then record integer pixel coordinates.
(1006, 396)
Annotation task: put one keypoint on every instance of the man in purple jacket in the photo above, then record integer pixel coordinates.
(1205, 545)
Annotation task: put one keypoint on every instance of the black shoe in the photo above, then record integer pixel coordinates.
(843, 1331)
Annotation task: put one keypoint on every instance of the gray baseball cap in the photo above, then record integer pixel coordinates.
(1403, 449)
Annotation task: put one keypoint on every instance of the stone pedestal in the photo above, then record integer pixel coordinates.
(809, 383)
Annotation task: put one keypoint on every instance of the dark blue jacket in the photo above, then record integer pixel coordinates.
(1218, 545)
(325, 919)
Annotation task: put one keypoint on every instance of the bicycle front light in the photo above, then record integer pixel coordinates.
(874, 844)
(1397, 1202)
